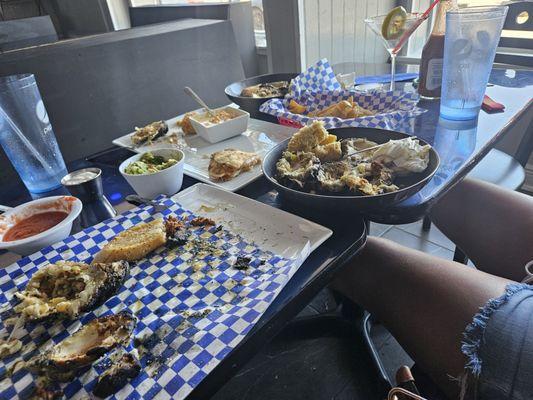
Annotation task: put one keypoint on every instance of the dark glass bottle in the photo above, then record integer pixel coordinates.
(432, 54)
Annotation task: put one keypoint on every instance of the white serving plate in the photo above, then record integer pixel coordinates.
(260, 137)
(271, 229)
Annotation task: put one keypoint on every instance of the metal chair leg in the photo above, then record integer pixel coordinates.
(366, 327)
(460, 256)
(426, 224)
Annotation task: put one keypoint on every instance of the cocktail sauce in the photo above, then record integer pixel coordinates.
(34, 225)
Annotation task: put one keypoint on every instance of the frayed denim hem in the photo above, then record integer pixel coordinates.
(473, 334)
(473, 337)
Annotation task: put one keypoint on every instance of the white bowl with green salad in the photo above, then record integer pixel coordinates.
(154, 172)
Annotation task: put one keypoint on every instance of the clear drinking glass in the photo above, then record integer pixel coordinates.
(472, 36)
(27, 136)
(376, 25)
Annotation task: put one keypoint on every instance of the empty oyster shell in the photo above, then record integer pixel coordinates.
(116, 377)
(69, 288)
(84, 346)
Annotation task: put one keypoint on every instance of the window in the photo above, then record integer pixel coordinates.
(259, 23)
(257, 10)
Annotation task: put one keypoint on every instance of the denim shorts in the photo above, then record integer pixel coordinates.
(498, 345)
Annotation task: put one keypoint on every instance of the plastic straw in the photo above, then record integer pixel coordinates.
(25, 140)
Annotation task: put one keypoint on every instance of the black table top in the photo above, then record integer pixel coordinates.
(460, 145)
(349, 235)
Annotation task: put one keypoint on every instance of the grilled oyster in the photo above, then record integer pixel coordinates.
(149, 133)
(295, 168)
(352, 145)
(116, 377)
(84, 346)
(359, 184)
(9, 347)
(329, 175)
(69, 288)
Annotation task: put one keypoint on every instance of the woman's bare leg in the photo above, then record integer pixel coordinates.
(425, 302)
(493, 226)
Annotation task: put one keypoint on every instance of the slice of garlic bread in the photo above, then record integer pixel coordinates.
(308, 137)
(134, 243)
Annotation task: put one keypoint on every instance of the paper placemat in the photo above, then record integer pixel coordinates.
(192, 306)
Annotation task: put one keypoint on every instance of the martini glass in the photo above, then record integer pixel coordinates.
(394, 39)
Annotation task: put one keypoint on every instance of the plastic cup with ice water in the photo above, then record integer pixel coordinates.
(472, 36)
(26, 134)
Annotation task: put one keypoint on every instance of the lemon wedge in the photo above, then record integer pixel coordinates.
(392, 27)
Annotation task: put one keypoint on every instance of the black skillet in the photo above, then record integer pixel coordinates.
(252, 104)
(408, 185)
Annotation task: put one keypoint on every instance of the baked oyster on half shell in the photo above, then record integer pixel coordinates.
(69, 288)
(295, 168)
(83, 347)
(149, 133)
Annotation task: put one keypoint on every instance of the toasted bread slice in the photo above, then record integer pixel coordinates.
(307, 138)
(134, 243)
(186, 125)
(329, 139)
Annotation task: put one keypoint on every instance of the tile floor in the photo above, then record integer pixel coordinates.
(325, 367)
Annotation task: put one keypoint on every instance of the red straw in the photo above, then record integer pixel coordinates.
(413, 28)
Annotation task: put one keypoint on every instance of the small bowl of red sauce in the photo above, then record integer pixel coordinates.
(32, 226)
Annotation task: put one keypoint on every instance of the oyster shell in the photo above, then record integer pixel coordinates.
(149, 133)
(84, 346)
(295, 168)
(45, 391)
(69, 288)
(352, 145)
(116, 377)
(9, 347)
(329, 176)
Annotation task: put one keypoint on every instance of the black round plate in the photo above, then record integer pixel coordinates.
(411, 184)
(252, 104)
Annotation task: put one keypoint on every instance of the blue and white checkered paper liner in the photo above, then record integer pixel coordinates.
(162, 292)
(317, 88)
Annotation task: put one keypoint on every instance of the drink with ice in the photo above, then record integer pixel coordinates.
(472, 36)
(26, 134)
